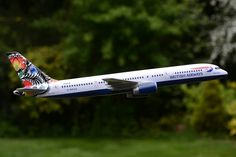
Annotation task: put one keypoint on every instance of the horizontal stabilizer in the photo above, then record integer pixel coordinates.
(29, 91)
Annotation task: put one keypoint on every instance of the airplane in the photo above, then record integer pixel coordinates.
(134, 83)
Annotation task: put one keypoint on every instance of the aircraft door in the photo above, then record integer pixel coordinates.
(96, 84)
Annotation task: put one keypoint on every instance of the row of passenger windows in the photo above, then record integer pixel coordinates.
(183, 72)
(76, 85)
(157, 75)
(133, 78)
(142, 77)
(101, 82)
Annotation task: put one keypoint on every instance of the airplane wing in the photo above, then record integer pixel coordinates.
(119, 85)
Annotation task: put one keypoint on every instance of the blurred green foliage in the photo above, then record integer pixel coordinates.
(231, 107)
(75, 38)
(206, 103)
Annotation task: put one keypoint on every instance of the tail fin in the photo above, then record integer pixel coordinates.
(28, 73)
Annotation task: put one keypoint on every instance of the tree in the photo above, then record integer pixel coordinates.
(231, 107)
(86, 37)
(208, 112)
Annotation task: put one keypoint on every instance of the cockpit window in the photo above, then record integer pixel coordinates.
(217, 68)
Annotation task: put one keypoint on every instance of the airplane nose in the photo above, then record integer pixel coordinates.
(225, 72)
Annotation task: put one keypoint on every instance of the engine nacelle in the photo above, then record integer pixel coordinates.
(145, 88)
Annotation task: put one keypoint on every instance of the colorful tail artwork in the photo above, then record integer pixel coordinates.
(28, 73)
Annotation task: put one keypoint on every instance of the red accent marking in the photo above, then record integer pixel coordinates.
(27, 83)
(206, 67)
(20, 60)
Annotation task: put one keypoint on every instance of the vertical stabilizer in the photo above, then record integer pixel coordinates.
(29, 74)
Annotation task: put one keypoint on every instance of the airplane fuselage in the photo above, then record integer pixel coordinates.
(147, 81)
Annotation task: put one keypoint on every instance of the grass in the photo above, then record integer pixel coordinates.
(171, 147)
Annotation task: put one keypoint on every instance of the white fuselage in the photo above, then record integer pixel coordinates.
(95, 85)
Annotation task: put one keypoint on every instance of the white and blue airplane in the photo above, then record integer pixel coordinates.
(133, 84)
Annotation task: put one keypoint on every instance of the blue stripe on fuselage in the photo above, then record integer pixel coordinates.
(83, 94)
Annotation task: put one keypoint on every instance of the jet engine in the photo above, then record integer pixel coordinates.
(143, 90)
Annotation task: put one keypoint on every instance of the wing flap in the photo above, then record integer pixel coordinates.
(120, 85)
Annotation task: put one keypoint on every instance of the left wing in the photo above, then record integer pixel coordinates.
(120, 85)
